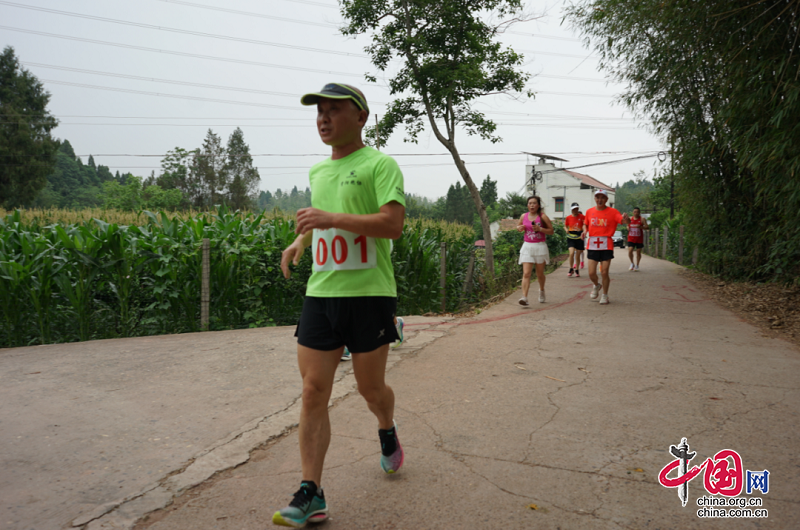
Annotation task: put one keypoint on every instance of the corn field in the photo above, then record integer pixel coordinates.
(73, 276)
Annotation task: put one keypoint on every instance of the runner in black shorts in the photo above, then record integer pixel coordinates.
(574, 225)
(358, 205)
(600, 224)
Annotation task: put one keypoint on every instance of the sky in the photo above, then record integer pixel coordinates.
(132, 80)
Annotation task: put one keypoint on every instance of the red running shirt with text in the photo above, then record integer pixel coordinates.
(635, 234)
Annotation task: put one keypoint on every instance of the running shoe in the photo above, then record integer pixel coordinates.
(603, 299)
(306, 507)
(541, 297)
(637, 268)
(399, 328)
(595, 291)
(569, 275)
(346, 355)
(523, 300)
(392, 462)
(577, 274)
(581, 264)
(632, 267)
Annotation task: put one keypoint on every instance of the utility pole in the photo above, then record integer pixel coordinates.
(672, 179)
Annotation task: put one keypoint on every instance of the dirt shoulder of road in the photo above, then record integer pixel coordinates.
(773, 308)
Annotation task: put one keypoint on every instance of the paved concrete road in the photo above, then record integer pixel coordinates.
(567, 406)
(110, 430)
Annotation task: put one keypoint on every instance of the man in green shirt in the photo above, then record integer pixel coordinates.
(357, 206)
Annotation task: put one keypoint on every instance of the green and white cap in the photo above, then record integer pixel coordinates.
(337, 91)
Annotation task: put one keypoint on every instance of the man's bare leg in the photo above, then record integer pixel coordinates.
(370, 370)
(604, 268)
(593, 272)
(318, 370)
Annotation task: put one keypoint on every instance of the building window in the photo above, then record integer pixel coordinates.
(559, 204)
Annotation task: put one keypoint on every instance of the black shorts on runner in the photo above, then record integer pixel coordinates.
(631, 244)
(600, 255)
(577, 244)
(362, 323)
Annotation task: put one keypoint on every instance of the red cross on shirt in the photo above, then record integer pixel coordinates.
(597, 243)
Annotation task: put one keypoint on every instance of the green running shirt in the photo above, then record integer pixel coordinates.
(359, 183)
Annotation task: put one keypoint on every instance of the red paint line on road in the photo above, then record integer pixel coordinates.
(575, 298)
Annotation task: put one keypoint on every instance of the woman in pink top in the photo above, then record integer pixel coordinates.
(535, 224)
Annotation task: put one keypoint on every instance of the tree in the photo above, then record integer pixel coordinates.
(458, 206)
(27, 151)
(448, 57)
(243, 178)
(208, 173)
(513, 205)
(488, 192)
(718, 82)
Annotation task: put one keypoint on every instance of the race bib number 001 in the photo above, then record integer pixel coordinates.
(340, 250)
(600, 243)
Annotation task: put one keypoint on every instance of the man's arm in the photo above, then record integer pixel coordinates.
(295, 251)
(386, 224)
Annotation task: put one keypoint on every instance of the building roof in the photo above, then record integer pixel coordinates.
(589, 181)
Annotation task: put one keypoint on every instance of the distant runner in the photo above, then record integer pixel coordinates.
(358, 205)
(600, 224)
(636, 227)
(535, 224)
(574, 225)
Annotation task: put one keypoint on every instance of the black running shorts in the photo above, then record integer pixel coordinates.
(577, 244)
(631, 244)
(600, 255)
(362, 323)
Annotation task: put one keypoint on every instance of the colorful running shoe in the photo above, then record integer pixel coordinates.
(392, 462)
(308, 506)
(569, 274)
(581, 264)
(577, 274)
(346, 355)
(399, 328)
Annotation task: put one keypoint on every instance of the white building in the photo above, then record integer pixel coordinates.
(559, 188)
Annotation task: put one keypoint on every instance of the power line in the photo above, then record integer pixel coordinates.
(181, 31)
(251, 14)
(167, 81)
(546, 116)
(180, 54)
(175, 96)
(559, 54)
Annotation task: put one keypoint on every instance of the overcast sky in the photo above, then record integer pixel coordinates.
(141, 78)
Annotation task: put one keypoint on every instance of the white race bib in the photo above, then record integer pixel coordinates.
(600, 243)
(339, 250)
(636, 231)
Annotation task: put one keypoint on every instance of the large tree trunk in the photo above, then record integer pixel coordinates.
(476, 198)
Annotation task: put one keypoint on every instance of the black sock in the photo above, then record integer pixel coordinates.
(310, 486)
(388, 441)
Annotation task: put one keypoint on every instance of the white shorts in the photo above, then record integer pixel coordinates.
(534, 253)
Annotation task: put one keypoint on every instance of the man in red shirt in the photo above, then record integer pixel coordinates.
(574, 225)
(600, 224)
(636, 237)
